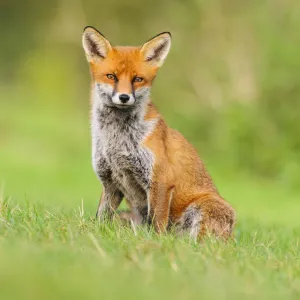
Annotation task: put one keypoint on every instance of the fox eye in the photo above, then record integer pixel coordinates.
(111, 76)
(138, 79)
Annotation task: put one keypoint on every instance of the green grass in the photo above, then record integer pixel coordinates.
(51, 247)
(60, 254)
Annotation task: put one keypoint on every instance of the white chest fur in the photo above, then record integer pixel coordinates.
(119, 157)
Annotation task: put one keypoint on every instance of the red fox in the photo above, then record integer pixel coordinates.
(136, 155)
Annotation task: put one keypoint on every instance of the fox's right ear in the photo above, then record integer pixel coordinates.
(95, 45)
(156, 50)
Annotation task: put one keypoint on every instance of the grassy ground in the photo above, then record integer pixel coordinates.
(51, 248)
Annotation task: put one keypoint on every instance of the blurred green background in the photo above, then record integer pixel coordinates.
(231, 85)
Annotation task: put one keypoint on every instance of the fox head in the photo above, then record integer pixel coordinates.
(123, 75)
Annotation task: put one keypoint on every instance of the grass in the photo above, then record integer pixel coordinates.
(52, 248)
(55, 254)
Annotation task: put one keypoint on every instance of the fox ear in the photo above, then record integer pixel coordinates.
(95, 45)
(156, 50)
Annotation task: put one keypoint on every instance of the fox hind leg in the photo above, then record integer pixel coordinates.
(207, 214)
(190, 222)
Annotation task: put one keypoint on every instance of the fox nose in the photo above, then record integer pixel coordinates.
(124, 98)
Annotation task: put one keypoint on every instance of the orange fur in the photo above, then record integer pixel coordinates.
(178, 167)
(126, 63)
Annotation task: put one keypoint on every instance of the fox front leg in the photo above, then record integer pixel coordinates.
(110, 200)
(160, 202)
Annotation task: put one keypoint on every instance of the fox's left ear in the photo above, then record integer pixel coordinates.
(156, 50)
(95, 45)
